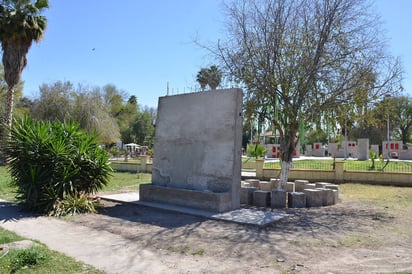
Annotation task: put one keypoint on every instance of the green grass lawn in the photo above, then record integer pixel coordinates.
(37, 259)
(395, 199)
(127, 181)
(6, 191)
(119, 181)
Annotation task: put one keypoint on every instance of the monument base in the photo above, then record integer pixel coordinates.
(210, 201)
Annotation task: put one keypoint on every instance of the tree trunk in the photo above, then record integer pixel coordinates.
(14, 60)
(9, 108)
(284, 173)
(287, 146)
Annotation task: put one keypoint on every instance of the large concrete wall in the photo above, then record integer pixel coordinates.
(198, 148)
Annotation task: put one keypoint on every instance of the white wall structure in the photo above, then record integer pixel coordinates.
(363, 149)
(197, 152)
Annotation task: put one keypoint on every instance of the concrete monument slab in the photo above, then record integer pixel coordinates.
(197, 152)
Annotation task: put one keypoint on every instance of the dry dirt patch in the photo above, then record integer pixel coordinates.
(350, 237)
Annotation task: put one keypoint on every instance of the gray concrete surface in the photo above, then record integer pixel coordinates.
(248, 216)
(198, 148)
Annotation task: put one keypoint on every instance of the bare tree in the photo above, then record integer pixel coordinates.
(297, 59)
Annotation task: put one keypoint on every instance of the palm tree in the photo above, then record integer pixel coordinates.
(20, 25)
(214, 77)
(202, 78)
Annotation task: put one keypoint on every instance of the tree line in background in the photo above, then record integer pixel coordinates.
(106, 110)
(373, 126)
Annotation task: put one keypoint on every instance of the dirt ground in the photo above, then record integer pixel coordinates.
(349, 237)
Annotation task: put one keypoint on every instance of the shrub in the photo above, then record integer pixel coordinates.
(51, 161)
(28, 257)
(256, 150)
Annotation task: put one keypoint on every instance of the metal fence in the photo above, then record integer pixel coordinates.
(349, 165)
(305, 164)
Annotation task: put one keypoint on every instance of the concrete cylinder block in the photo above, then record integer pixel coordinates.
(253, 182)
(278, 199)
(299, 184)
(314, 197)
(275, 183)
(327, 196)
(246, 195)
(309, 186)
(265, 185)
(261, 198)
(321, 184)
(296, 200)
(290, 187)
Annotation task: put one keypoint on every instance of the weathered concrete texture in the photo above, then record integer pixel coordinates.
(321, 184)
(309, 186)
(314, 197)
(327, 196)
(363, 149)
(198, 148)
(299, 185)
(275, 183)
(278, 199)
(253, 182)
(296, 200)
(265, 185)
(261, 198)
(246, 195)
(290, 187)
(219, 202)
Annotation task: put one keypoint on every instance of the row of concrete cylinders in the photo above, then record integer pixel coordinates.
(297, 194)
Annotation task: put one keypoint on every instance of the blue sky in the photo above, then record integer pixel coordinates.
(140, 46)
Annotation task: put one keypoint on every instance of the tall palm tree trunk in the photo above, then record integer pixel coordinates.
(14, 61)
(9, 108)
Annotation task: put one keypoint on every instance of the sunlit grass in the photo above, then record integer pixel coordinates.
(7, 192)
(393, 198)
(120, 181)
(37, 259)
(127, 181)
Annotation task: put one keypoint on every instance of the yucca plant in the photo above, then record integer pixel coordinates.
(49, 161)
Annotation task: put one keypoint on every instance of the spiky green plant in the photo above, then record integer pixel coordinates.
(256, 150)
(49, 161)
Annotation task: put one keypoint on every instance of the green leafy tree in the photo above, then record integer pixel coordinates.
(298, 59)
(61, 101)
(20, 25)
(51, 162)
(55, 102)
(402, 117)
